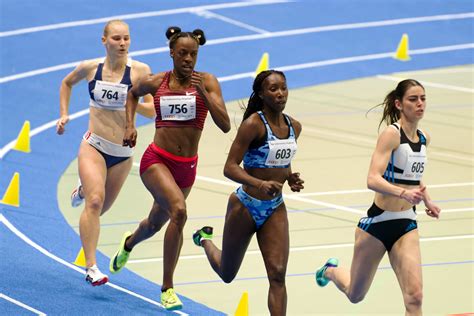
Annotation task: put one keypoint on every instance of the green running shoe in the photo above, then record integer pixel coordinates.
(203, 233)
(170, 300)
(320, 278)
(119, 260)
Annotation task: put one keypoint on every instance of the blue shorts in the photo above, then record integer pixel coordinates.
(260, 210)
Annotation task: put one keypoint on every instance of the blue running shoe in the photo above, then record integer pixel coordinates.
(321, 280)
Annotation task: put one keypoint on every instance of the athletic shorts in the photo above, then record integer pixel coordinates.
(260, 210)
(113, 153)
(388, 226)
(183, 169)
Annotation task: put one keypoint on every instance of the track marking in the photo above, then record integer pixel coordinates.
(209, 15)
(5, 149)
(137, 16)
(430, 84)
(14, 301)
(27, 240)
(303, 248)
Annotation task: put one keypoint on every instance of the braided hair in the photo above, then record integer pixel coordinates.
(255, 103)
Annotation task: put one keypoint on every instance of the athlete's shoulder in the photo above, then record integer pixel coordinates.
(140, 66)
(90, 64)
(296, 124)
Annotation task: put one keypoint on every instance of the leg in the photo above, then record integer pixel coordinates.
(238, 231)
(93, 173)
(368, 252)
(274, 242)
(171, 199)
(116, 177)
(405, 259)
(148, 227)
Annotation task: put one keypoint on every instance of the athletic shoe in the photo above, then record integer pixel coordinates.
(95, 277)
(170, 300)
(320, 278)
(203, 233)
(76, 198)
(119, 260)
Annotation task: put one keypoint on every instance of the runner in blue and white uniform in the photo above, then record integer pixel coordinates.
(395, 174)
(104, 163)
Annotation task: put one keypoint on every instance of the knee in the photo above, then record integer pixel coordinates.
(355, 298)
(228, 277)
(276, 275)
(95, 202)
(414, 299)
(178, 215)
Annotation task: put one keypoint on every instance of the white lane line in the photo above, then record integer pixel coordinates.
(370, 141)
(5, 149)
(301, 31)
(210, 15)
(27, 240)
(137, 16)
(429, 186)
(289, 197)
(299, 249)
(14, 301)
(429, 84)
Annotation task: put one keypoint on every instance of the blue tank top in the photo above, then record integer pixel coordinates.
(274, 152)
(110, 95)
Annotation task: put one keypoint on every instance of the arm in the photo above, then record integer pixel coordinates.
(147, 85)
(249, 130)
(294, 180)
(65, 91)
(432, 209)
(210, 90)
(388, 141)
(147, 107)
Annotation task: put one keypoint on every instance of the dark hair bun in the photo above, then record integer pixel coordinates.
(172, 30)
(200, 36)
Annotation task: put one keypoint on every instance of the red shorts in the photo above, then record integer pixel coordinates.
(183, 169)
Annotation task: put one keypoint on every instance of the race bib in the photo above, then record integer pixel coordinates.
(178, 107)
(415, 166)
(281, 152)
(111, 95)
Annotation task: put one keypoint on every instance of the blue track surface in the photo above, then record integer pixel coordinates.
(232, 49)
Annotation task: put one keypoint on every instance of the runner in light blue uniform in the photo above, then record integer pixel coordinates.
(266, 144)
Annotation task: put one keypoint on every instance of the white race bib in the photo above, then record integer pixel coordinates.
(178, 107)
(415, 166)
(108, 94)
(281, 152)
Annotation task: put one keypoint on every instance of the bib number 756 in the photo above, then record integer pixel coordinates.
(178, 108)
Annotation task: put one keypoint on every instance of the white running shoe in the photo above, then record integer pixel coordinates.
(76, 198)
(95, 277)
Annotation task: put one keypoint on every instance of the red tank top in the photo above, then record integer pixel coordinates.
(179, 108)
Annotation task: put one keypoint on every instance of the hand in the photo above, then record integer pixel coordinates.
(130, 137)
(432, 209)
(198, 82)
(414, 196)
(61, 123)
(295, 182)
(272, 188)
